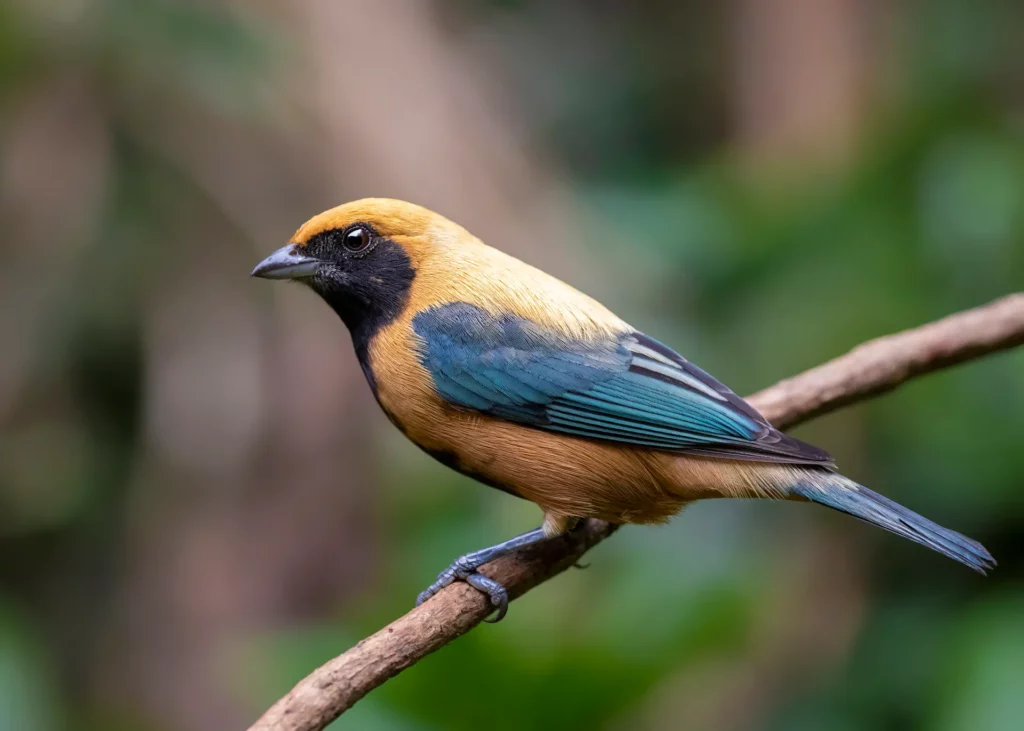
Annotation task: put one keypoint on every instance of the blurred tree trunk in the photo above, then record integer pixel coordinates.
(800, 70)
(410, 113)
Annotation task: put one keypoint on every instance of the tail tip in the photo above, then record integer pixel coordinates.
(860, 502)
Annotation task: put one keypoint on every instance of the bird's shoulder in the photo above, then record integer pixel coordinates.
(472, 273)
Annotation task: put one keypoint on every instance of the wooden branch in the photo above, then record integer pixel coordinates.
(882, 364)
(869, 369)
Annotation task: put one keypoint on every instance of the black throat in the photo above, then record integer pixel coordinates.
(373, 295)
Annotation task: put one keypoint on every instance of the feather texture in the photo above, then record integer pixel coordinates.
(630, 389)
(846, 496)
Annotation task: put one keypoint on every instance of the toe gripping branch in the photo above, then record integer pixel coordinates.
(465, 568)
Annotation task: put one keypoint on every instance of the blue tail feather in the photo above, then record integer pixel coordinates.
(848, 497)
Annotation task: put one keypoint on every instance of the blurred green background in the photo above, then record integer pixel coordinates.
(199, 500)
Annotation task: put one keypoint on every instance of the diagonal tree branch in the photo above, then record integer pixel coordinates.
(870, 369)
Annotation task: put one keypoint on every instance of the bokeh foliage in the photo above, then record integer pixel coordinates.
(735, 616)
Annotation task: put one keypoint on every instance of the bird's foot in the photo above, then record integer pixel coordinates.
(465, 569)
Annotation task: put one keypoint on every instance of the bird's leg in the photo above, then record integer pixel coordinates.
(465, 567)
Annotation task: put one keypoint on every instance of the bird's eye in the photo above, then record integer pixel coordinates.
(357, 238)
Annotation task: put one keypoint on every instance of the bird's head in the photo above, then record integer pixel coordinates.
(362, 257)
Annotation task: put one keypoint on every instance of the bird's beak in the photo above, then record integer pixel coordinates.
(287, 262)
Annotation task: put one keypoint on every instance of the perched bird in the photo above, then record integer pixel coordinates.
(513, 377)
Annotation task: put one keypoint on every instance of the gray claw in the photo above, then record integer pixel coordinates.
(494, 590)
(444, 578)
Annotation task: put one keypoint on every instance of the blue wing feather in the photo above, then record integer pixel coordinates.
(632, 390)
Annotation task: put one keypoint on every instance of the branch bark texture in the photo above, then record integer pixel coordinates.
(870, 369)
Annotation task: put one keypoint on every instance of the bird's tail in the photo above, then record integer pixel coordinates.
(846, 496)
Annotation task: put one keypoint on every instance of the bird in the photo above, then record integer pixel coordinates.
(518, 380)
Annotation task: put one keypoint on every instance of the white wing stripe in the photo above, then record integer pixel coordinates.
(649, 353)
(676, 374)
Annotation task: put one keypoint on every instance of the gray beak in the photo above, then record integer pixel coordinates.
(288, 262)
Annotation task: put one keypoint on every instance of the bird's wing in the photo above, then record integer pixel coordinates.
(630, 389)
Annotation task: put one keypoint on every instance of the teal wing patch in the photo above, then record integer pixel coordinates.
(631, 390)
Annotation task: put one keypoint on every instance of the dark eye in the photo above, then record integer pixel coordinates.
(357, 238)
